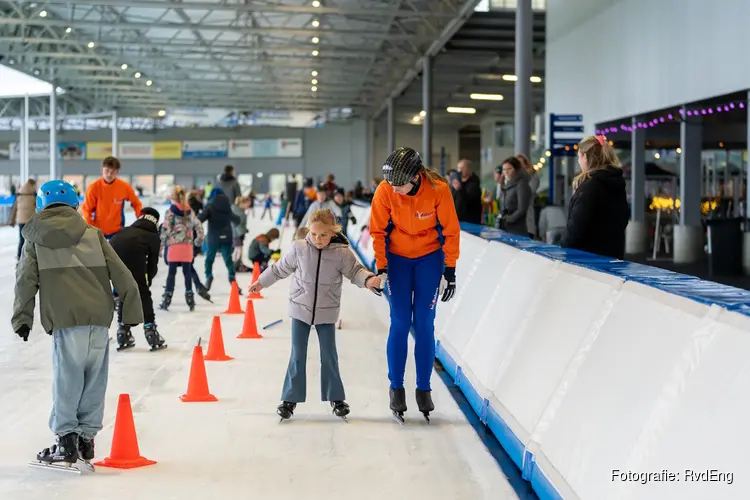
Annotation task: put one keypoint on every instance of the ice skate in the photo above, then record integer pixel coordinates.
(203, 293)
(153, 338)
(209, 282)
(286, 410)
(166, 300)
(86, 453)
(61, 456)
(398, 403)
(424, 403)
(340, 409)
(125, 339)
(190, 300)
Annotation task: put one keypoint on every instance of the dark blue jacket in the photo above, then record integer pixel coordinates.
(218, 213)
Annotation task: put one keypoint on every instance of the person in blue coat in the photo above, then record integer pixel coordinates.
(218, 213)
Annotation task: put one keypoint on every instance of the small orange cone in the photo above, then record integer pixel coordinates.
(216, 343)
(256, 275)
(249, 325)
(197, 391)
(234, 300)
(125, 453)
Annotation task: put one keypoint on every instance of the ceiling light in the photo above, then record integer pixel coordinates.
(314, 73)
(43, 13)
(415, 119)
(486, 97)
(657, 155)
(137, 74)
(678, 151)
(548, 153)
(423, 113)
(465, 111)
(124, 66)
(314, 81)
(316, 23)
(91, 45)
(148, 83)
(314, 89)
(315, 39)
(315, 53)
(162, 112)
(68, 30)
(536, 79)
(316, 3)
(510, 78)
(542, 159)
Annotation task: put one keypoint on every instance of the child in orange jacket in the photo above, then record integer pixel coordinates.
(104, 204)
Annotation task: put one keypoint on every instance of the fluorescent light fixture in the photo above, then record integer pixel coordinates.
(316, 23)
(124, 66)
(162, 112)
(149, 83)
(486, 97)
(68, 30)
(43, 13)
(137, 74)
(510, 78)
(91, 45)
(314, 73)
(315, 53)
(422, 113)
(316, 3)
(315, 39)
(536, 79)
(314, 81)
(459, 110)
(415, 119)
(314, 89)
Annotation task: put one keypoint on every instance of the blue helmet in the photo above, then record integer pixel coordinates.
(56, 192)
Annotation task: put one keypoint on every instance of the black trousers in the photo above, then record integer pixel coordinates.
(146, 301)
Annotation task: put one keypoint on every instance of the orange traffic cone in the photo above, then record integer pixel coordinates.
(234, 300)
(125, 453)
(249, 325)
(216, 343)
(197, 391)
(256, 275)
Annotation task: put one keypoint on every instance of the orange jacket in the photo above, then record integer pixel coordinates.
(414, 233)
(104, 205)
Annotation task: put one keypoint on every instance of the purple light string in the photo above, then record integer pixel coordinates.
(670, 117)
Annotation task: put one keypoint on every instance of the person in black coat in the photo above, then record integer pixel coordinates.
(467, 194)
(218, 213)
(138, 247)
(598, 213)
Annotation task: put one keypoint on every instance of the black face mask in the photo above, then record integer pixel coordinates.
(415, 187)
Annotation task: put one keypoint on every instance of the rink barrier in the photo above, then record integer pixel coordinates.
(579, 364)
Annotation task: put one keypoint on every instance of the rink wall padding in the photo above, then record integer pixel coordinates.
(585, 367)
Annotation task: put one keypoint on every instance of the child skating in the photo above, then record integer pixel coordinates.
(138, 246)
(73, 267)
(319, 262)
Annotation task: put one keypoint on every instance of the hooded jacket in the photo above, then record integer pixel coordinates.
(468, 200)
(515, 204)
(138, 246)
(315, 291)
(229, 186)
(218, 213)
(598, 214)
(71, 265)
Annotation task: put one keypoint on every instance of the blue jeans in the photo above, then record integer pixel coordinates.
(414, 286)
(80, 368)
(186, 272)
(295, 382)
(226, 254)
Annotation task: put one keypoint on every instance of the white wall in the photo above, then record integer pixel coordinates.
(614, 59)
(411, 136)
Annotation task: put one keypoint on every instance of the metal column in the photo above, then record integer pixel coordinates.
(21, 148)
(115, 148)
(638, 172)
(25, 161)
(427, 105)
(691, 135)
(391, 126)
(53, 172)
(524, 58)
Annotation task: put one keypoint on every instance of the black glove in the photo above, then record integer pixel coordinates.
(381, 273)
(450, 286)
(353, 219)
(23, 332)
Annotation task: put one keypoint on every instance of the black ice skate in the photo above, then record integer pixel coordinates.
(86, 452)
(398, 403)
(203, 293)
(190, 300)
(60, 456)
(153, 338)
(340, 409)
(286, 410)
(166, 300)
(209, 282)
(424, 403)
(125, 339)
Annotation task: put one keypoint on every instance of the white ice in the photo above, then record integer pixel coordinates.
(236, 447)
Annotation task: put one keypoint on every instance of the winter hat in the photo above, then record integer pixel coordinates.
(150, 214)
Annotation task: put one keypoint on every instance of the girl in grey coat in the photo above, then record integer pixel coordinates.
(318, 263)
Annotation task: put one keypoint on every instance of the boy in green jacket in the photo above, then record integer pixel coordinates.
(71, 265)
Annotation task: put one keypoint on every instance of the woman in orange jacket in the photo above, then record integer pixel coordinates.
(415, 233)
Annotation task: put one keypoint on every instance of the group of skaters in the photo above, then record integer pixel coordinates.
(77, 260)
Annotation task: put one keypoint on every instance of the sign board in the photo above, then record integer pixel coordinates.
(167, 150)
(37, 151)
(565, 132)
(71, 150)
(266, 148)
(204, 149)
(98, 150)
(136, 151)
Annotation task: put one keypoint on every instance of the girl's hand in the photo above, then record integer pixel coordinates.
(256, 287)
(372, 283)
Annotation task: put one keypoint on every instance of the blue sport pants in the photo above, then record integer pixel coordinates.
(413, 286)
(226, 253)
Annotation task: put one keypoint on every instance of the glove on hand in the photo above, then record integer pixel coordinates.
(23, 332)
(448, 287)
(383, 276)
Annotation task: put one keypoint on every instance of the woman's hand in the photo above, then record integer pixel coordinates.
(256, 287)
(373, 283)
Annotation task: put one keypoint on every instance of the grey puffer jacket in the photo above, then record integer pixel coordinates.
(315, 291)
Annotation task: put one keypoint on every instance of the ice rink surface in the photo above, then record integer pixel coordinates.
(236, 447)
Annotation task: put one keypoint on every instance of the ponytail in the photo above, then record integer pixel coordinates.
(433, 176)
(599, 155)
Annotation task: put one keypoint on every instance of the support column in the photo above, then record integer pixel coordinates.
(26, 119)
(688, 235)
(391, 126)
(115, 146)
(53, 172)
(21, 148)
(746, 247)
(427, 105)
(524, 59)
(636, 234)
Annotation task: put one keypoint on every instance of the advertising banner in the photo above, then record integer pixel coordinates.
(37, 151)
(204, 149)
(136, 151)
(266, 148)
(167, 150)
(240, 149)
(98, 150)
(71, 150)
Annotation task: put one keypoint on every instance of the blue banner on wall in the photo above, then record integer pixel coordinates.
(204, 149)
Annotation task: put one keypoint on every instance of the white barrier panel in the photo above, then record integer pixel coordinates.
(600, 388)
